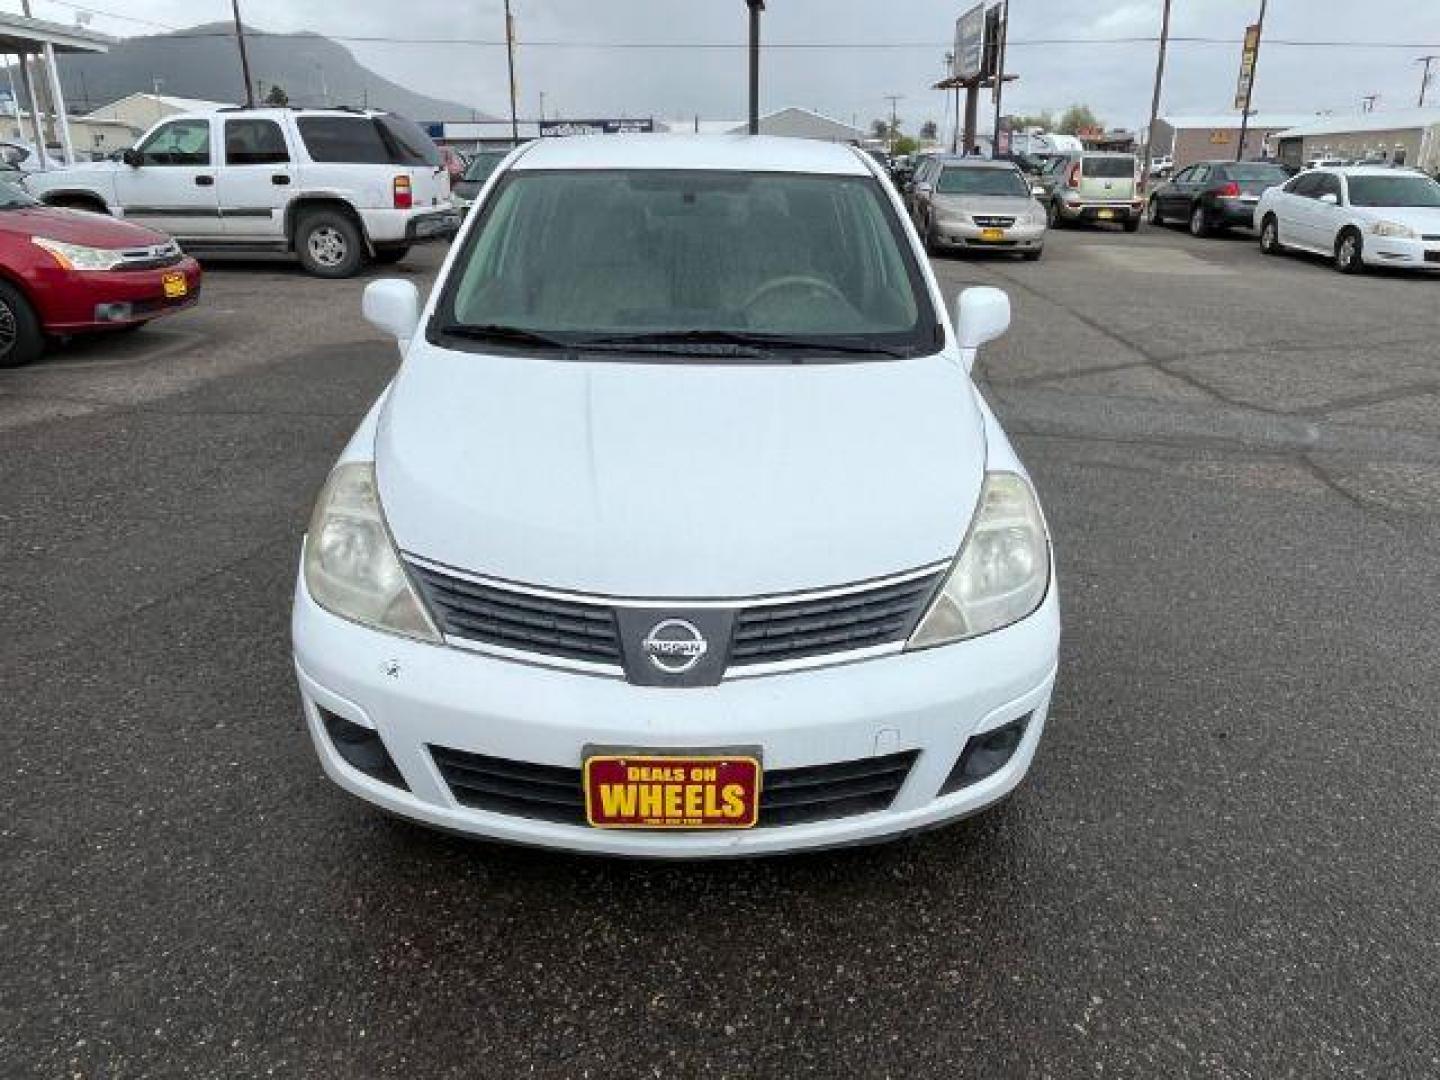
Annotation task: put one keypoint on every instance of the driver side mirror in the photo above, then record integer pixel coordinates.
(982, 314)
(1330, 199)
(393, 306)
(132, 157)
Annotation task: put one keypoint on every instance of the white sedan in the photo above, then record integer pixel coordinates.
(1363, 216)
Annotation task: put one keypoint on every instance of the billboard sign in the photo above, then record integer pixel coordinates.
(970, 43)
(551, 129)
(1248, 53)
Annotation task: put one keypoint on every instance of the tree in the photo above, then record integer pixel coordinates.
(277, 96)
(1045, 120)
(929, 130)
(880, 129)
(906, 145)
(1076, 118)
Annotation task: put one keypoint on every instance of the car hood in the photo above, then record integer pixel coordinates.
(1008, 205)
(78, 227)
(677, 479)
(1423, 219)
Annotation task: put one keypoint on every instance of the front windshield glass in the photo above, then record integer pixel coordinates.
(763, 259)
(14, 197)
(481, 166)
(1394, 191)
(959, 180)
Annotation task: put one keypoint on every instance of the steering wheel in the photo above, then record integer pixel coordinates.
(794, 281)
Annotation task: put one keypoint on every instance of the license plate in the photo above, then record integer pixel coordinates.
(1105, 215)
(991, 235)
(174, 285)
(639, 791)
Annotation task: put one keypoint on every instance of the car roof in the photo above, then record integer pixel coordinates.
(977, 162)
(737, 153)
(1366, 170)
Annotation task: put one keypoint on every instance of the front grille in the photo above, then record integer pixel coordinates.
(993, 222)
(151, 258)
(833, 624)
(516, 620)
(787, 796)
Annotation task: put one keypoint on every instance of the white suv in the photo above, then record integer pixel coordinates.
(336, 186)
(682, 530)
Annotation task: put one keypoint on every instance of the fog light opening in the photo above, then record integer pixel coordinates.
(362, 749)
(986, 754)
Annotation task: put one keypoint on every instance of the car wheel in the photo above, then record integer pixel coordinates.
(21, 339)
(1032, 256)
(1270, 236)
(391, 256)
(1157, 218)
(1051, 215)
(1132, 223)
(932, 245)
(329, 244)
(1348, 252)
(1199, 222)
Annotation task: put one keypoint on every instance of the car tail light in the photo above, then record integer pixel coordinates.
(1073, 180)
(1229, 191)
(404, 197)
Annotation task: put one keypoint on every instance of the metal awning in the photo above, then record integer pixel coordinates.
(19, 34)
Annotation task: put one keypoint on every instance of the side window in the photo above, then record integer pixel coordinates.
(1183, 176)
(1303, 185)
(254, 142)
(1328, 184)
(180, 142)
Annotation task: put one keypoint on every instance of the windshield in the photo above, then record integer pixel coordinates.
(746, 259)
(482, 165)
(1109, 168)
(962, 181)
(1394, 191)
(14, 197)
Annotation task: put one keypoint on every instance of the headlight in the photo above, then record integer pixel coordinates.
(1003, 568)
(351, 567)
(1392, 228)
(77, 256)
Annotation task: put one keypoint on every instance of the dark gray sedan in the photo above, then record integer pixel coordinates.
(1213, 195)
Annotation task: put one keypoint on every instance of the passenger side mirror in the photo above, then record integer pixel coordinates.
(132, 157)
(982, 314)
(392, 305)
(1330, 199)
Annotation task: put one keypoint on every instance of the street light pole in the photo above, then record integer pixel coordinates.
(1159, 82)
(244, 56)
(510, 62)
(1250, 87)
(756, 7)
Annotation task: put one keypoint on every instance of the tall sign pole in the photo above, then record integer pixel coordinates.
(1159, 82)
(244, 56)
(510, 63)
(999, 92)
(1425, 76)
(1249, 60)
(756, 7)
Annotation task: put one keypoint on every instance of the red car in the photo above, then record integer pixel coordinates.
(71, 272)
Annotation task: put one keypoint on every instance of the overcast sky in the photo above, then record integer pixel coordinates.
(848, 83)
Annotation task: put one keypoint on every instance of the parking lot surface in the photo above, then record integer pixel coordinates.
(1226, 861)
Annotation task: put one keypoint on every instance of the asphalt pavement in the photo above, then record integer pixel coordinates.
(1225, 863)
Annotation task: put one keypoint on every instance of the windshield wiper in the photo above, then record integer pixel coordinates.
(750, 339)
(505, 335)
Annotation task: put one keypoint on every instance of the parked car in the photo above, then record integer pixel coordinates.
(1092, 186)
(513, 619)
(1162, 167)
(1358, 217)
(968, 202)
(481, 165)
(64, 272)
(335, 186)
(1214, 195)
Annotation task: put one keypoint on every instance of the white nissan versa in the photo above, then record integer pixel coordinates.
(682, 530)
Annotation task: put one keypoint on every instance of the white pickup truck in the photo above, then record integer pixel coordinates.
(335, 186)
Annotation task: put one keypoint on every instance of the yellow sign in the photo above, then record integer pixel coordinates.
(1219, 137)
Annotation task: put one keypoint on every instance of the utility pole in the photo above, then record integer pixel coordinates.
(1250, 87)
(894, 123)
(1159, 82)
(756, 7)
(510, 62)
(1367, 103)
(244, 56)
(1000, 74)
(1425, 78)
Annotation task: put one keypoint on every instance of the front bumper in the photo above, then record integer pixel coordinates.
(76, 301)
(1396, 251)
(1017, 237)
(416, 696)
